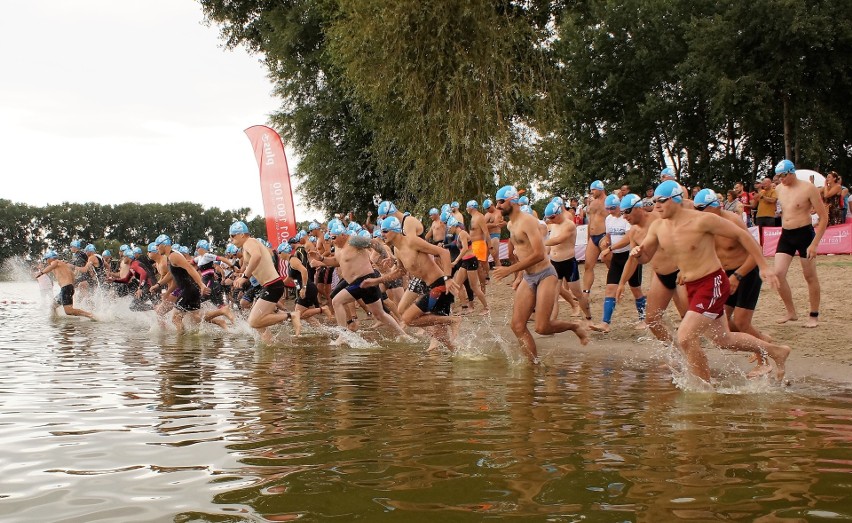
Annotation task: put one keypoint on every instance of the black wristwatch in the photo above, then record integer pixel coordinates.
(738, 276)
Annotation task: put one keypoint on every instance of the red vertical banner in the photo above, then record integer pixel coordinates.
(274, 184)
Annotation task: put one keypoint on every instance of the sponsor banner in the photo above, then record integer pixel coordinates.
(836, 240)
(275, 186)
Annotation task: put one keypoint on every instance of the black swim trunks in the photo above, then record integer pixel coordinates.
(796, 240)
(190, 299)
(417, 285)
(748, 290)
(669, 281)
(438, 301)
(273, 291)
(367, 294)
(311, 299)
(596, 239)
(469, 264)
(616, 268)
(567, 270)
(66, 295)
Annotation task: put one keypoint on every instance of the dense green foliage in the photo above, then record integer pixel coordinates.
(28, 231)
(424, 102)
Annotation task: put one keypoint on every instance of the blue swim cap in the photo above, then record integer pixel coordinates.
(597, 185)
(202, 244)
(238, 228)
(377, 232)
(184, 249)
(452, 221)
(137, 250)
(160, 240)
(327, 236)
(123, 247)
(353, 227)
(231, 249)
(524, 200)
(311, 239)
(333, 222)
(559, 200)
(76, 244)
(668, 171)
(152, 247)
(90, 248)
(50, 255)
(434, 212)
(337, 228)
(454, 205)
(669, 189)
(630, 201)
(391, 224)
(445, 216)
(176, 247)
(445, 207)
(553, 208)
(486, 203)
(706, 198)
(313, 226)
(128, 253)
(785, 166)
(107, 253)
(611, 202)
(472, 204)
(285, 248)
(507, 192)
(527, 209)
(364, 233)
(385, 208)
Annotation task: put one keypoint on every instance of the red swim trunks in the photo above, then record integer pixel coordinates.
(707, 295)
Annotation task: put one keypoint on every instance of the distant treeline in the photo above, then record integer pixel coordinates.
(28, 231)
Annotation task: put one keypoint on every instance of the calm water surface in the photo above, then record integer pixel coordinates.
(116, 421)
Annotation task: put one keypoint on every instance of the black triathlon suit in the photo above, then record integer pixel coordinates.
(190, 294)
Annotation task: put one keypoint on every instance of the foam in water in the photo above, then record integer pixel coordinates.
(16, 269)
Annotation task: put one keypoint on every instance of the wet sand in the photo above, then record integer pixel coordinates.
(823, 352)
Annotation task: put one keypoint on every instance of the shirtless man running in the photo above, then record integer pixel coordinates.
(479, 238)
(494, 221)
(561, 240)
(539, 285)
(687, 236)
(596, 214)
(798, 199)
(65, 275)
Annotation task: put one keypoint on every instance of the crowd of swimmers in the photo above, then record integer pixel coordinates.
(417, 280)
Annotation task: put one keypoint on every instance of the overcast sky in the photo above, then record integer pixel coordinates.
(113, 101)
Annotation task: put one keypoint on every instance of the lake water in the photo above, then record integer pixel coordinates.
(121, 421)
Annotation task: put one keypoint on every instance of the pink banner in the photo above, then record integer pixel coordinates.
(836, 240)
(274, 184)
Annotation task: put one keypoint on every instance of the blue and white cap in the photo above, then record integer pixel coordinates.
(377, 232)
(312, 239)
(152, 247)
(559, 200)
(128, 253)
(706, 198)
(202, 244)
(611, 202)
(336, 228)
(445, 207)
(391, 224)
(137, 250)
(385, 208)
(596, 185)
(364, 233)
(77, 244)
(434, 212)
(231, 249)
(668, 172)
(472, 204)
(507, 192)
(313, 226)
(176, 247)
(553, 208)
(353, 227)
(162, 239)
(630, 201)
(486, 203)
(669, 189)
(184, 249)
(445, 216)
(238, 228)
(455, 205)
(90, 248)
(107, 253)
(284, 248)
(785, 166)
(524, 200)
(527, 209)
(123, 247)
(327, 236)
(50, 255)
(452, 222)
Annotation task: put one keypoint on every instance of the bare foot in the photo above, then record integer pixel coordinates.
(485, 312)
(640, 326)
(760, 370)
(582, 334)
(811, 322)
(780, 357)
(600, 327)
(788, 317)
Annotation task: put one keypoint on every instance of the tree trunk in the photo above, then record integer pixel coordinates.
(788, 139)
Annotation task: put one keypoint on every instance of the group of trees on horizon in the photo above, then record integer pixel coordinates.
(28, 231)
(424, 102)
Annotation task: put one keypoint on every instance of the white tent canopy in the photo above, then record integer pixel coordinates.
(805, 176)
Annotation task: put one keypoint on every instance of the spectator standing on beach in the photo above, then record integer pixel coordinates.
(831, 195)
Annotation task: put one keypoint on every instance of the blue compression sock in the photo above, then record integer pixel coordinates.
(640, 307)
(609, 307)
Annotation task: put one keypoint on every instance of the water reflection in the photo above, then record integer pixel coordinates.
(119, 421)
